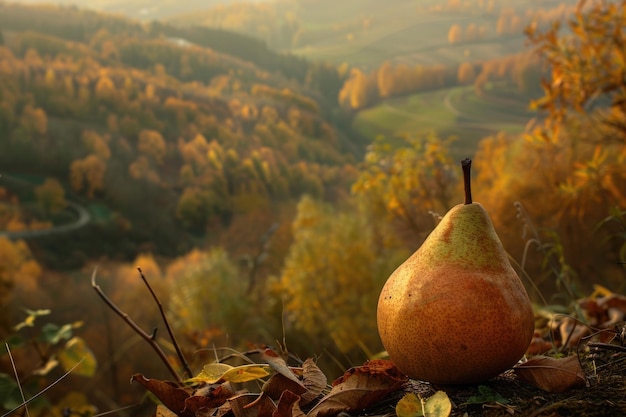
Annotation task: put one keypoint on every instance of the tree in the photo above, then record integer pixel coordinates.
(407, 182)
(587, 68)
(51, 196)
(455, 33)
(195, 279)
(385, 80)
(17, 268)
(333, 271)
(466, 74)
(151, 143)
(88, 174)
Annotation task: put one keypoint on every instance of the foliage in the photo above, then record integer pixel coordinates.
(208, 294)
(586, 69)
(51, 196)
(576, 155)
(55, 346)
(332, 276)
(17, 268)
(407, 182)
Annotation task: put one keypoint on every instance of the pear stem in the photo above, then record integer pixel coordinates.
(466, 164)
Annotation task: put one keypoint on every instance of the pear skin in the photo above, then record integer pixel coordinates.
(455, 311)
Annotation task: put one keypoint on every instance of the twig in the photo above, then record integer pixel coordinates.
(43, 391)
(607, 346)
(179, 352)
(148, 338)
(17, 379)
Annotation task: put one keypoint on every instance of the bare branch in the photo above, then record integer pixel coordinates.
(148, 338)
(179, 352)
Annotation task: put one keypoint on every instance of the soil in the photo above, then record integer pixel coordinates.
(603, 394)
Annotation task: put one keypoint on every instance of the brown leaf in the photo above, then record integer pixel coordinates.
(209, 397)
(359, 388)
(551, 374)
(252, 405)
(168, 393)
(163, 411)
(288, 406)
(279, 365)
(313, 379)
(278, 383)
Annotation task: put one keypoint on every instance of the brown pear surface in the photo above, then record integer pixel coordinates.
(455, 311)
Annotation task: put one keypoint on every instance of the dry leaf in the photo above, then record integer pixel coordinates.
(279, 383)
(168, 393)
(550, 374)
(279, 365)
(219, 372)
(162, 411)
(252, 405)
(359, 388)
(289, 406)
(313, 379)
(209, 398)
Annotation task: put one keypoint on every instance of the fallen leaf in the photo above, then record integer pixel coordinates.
(289, 406)
(278, 383)
(551, 374)
(213, 373)
(162, 411)
(169, 394)
(279, 365)
(314, 381)
(262, 405)
(437, 405)
(359, 388)
(209, 398)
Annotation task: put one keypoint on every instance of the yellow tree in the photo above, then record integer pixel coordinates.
(455, 33)
(385, 80)
(51, 196)
(17, 268)
(408, 183)
(151, 143)
(466, 73)
(207, 293)
(87, 174)
(587, 68)
(332, 276)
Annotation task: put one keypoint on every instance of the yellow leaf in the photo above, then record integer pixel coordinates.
(213, 373)
(78, 356)
(246, 373)
(409, 406)
(438, 405)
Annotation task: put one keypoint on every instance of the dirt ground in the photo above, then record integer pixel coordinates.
(603, 394)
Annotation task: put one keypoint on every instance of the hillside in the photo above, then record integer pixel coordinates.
(367, 33)
(173, 139)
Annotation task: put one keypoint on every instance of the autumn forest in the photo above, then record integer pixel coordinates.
(267, 165)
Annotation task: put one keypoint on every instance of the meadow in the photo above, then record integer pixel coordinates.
(456, 111)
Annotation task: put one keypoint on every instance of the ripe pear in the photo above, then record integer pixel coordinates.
(456, 312)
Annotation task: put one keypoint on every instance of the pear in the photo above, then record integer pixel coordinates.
(456, 312)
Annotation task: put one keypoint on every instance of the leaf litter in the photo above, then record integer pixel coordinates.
(580, 373)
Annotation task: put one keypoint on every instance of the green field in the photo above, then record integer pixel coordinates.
(449, 112)
(399, 32)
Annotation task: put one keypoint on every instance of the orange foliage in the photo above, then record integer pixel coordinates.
(18, 268)
(88, 174)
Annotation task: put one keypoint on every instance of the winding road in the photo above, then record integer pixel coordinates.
(83, 218)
